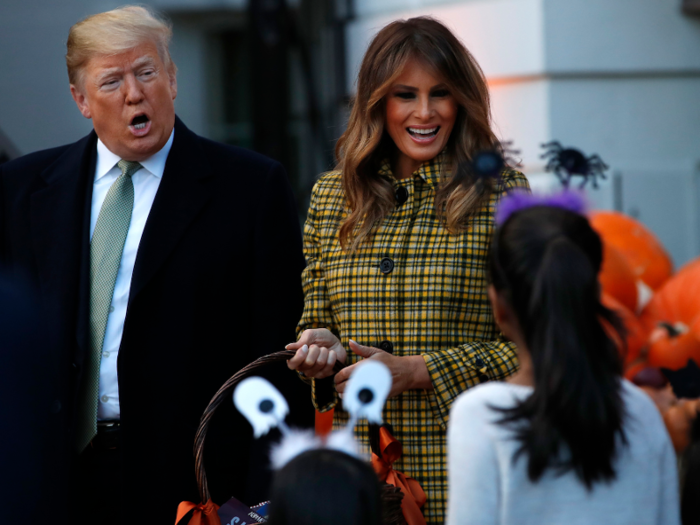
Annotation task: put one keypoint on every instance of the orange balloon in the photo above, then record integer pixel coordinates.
(616, 278)
(645, 254)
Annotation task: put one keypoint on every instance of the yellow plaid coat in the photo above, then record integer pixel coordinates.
(432, 302)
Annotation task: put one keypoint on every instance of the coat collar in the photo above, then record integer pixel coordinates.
(429, 171)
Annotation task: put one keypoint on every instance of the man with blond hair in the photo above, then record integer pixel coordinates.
(159, 259)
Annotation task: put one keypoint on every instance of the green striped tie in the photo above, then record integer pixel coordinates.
(105, 256)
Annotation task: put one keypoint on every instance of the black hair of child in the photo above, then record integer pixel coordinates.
(321, 487)
(545, 261)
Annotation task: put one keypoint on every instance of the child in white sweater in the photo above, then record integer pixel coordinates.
(565, 441)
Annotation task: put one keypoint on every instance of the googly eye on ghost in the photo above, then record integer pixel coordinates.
(261, 404)
(265, 408)
(366, 393)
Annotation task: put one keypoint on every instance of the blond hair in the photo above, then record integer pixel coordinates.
(114, 32)
(365, 142)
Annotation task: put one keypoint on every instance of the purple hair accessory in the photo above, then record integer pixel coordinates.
(518, 200)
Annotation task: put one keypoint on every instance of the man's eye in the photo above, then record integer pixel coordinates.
(406, 95)
(441, 93)
(109, 83)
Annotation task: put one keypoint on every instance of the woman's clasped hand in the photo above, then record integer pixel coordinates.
(318, 350)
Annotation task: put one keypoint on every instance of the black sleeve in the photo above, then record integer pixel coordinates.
(278, 301)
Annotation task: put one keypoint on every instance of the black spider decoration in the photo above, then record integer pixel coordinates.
(566, 163)
(486, 166)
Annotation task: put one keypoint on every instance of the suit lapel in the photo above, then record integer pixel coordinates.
(60, 215)
(182, 193)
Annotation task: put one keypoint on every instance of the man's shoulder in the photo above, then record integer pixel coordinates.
(227, 156)
(34, 161)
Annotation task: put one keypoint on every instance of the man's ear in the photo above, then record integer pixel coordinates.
(173, 82)
(81, 101)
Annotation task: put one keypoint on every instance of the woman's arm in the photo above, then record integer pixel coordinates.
(318, 346)
(454, 370)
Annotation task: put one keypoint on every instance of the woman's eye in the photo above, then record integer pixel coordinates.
(441, 93)
(406, 95)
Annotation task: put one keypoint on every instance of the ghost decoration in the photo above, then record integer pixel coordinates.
(261, 404)
(367, 390)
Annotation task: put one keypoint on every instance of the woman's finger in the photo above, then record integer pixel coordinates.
(341, 378)
(295, 362)
(311, 357)
(318, 370)
(327, 370)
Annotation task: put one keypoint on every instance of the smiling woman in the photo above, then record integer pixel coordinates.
(420, 115)
(396, 242)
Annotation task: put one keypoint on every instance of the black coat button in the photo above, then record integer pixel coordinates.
(479, 363)
(401, 195)
(483, 378)
(387, 346)
(386, 266)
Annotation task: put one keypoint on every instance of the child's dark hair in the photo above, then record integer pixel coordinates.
(325, 486)
(544, 262)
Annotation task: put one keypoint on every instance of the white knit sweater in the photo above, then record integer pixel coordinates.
(487, 487)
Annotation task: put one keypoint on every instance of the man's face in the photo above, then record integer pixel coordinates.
(129, 97)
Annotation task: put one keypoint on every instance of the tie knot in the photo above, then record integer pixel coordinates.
(129, 167)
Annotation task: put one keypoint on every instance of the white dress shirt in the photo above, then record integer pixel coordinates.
(146, 182)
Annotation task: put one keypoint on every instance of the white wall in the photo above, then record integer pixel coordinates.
(620, 36)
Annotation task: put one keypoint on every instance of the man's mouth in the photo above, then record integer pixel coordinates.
(140, 121)
(422, 133)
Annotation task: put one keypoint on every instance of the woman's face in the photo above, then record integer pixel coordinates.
(420, 115)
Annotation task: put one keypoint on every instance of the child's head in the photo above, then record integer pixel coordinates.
(324, 486)
(544, 267)
(546, 257)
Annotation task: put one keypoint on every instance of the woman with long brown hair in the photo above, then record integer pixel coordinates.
(396, 241)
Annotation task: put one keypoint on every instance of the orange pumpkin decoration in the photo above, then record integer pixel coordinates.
(690, 266)
(671, 346)
(636, 331)
(616, 278)
(643, 251)
(673, 318)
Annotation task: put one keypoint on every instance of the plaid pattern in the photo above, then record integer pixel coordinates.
(433, 303)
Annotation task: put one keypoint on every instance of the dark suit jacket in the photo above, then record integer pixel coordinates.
(216, 284)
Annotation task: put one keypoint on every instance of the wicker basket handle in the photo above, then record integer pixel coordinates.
(225, 393)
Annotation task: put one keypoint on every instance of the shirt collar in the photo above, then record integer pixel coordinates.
(155, 164)
(429, 171)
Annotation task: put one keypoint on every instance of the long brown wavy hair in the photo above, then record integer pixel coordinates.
(365, 143)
